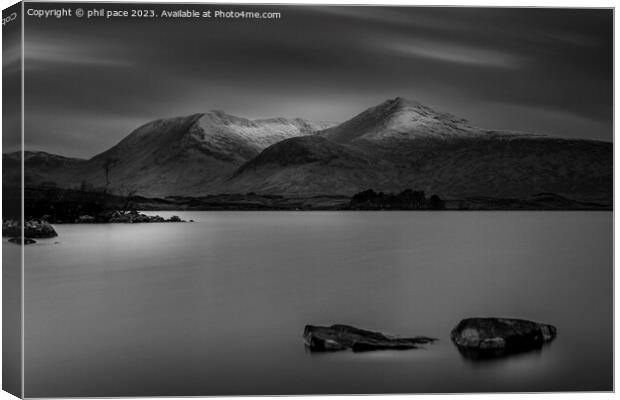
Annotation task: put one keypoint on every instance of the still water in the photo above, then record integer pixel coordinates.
(218, 306)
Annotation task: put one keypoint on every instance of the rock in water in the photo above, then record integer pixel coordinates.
(344, 337)
(490, 337)
(32, 229)
(11, 227)
(39, 229)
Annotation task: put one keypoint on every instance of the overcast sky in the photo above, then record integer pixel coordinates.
(91, 82)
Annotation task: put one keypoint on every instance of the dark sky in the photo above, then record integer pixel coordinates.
(90, 82)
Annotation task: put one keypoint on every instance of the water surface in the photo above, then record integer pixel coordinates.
(218, 306)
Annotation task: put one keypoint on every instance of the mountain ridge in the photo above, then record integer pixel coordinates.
(392, 146)
(414, 146)
(186, 155)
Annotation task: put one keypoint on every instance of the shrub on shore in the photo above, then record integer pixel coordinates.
(408, 199)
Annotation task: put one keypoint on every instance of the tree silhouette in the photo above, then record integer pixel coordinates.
(436, 203)
(108, 164)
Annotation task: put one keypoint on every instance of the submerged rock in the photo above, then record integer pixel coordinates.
(492, 337)
(344, 337)
(18, 240)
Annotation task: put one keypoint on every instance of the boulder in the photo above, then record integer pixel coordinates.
(491, 337)
(39, 229)
(11, 228)
(34, 228)
(18, 240)
(344, 337)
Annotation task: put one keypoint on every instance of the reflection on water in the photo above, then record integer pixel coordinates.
(218, 306)
(487, 357)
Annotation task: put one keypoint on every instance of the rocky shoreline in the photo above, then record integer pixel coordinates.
(65, 205)
(130, 217)
(40, 228)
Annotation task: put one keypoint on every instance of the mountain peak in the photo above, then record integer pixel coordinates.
(400, 102)
(401, 119)
(395, 104)
(223, 116)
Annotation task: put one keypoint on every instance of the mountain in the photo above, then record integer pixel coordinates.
(396, 145)
(188, 155)
(409, 145)
(399, 119)
(308, 166)
(40, 167)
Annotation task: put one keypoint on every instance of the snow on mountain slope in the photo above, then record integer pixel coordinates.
(188, 155)
(410, 145)
(400, 119)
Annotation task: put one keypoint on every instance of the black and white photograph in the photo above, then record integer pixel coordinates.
(306, 199)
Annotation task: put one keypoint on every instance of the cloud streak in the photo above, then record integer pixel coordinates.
(457, 54)
(41, 53)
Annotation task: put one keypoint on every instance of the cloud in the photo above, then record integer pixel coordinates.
(93, 80)
(39, 52)
(456, 53)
